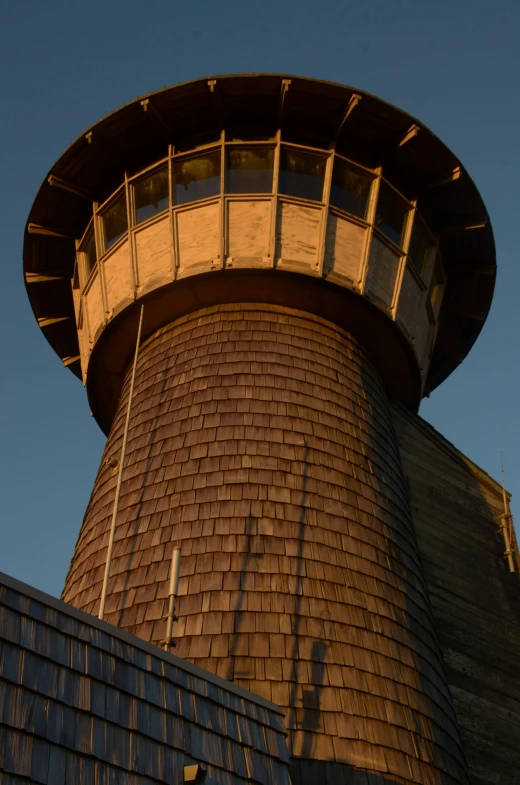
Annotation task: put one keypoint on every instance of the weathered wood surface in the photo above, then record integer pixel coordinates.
(411, 299)
(83, 703)
(94, 306)
(297, 234)
(261, 439)
(475, 600)
(383, 266)
(198, 236)
(250, 233)
(248, 228)
(344, 250)
(413, 314)
(83, 341)
(119, 279)
(153, 246)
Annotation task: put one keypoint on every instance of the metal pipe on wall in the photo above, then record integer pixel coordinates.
(120, 474)
(172, 592)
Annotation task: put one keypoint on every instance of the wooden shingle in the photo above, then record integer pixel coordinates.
(271, 448)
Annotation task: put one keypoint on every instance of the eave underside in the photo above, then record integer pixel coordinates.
(307, 111)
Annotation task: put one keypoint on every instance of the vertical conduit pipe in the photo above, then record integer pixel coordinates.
(120, 474)
(174, 586)
(506, 523)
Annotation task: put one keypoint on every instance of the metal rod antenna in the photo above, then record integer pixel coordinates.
(120, 474)
(174, 586)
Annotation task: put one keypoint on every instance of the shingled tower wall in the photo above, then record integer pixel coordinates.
(302, 262)
(261, 440)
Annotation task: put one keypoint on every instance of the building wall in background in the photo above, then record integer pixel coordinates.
(475, 599)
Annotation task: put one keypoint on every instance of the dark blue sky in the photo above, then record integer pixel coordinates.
(454, 64)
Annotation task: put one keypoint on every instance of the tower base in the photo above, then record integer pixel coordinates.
(261, 440)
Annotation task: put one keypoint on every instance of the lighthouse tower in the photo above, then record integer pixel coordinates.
(310, 260)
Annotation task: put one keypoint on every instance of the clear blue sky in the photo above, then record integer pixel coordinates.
(454, 64)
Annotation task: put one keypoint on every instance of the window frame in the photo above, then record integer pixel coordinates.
(373, 175)
(326, 155)
(406, 222)
(245, 146)
(196, 153)
(428, 266)
(101, 210)
(278, 145)
(145, 174)
(85, 274)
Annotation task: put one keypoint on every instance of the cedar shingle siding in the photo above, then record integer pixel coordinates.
(474, 598)
(83, 703)
(261, 438)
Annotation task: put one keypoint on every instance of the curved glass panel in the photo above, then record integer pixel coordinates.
(89, 253)
(350, 188)
(301, 174)
(391, 213)
(115, 221)
(249, 170)
(151, 195)
(197, 177)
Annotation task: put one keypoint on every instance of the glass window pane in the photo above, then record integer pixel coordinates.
(249, 170)
(197, 178)
(420, 246)
(301, 174)
(350, 188)
(89, 251)
(151, 195)
(391, 213)
(115, 222)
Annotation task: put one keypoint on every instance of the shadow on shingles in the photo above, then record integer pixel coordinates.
(311, 697)
(133, 530)
(246, 561)
(248, 555)
(298, 591)
(309, 772)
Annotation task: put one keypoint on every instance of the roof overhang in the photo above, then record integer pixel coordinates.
(310, 111)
